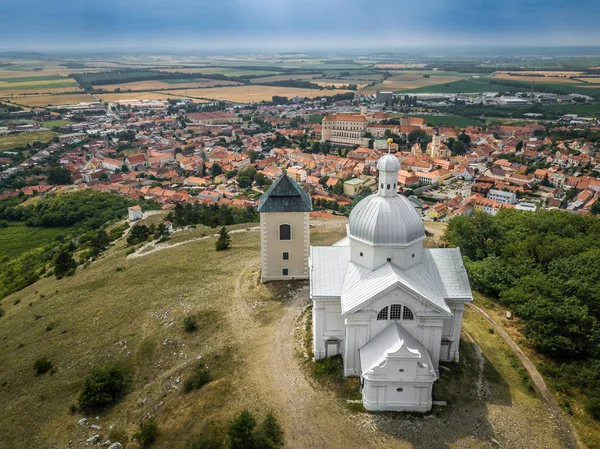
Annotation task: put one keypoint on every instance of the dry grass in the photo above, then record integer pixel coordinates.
(157, 84)
(10, 141)
(17, 93)
(248, 94)
(407, 81)
(53, 100)
(140, 96)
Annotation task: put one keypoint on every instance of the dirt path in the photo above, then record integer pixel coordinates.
(311, 416)
(160, 246)
(563, 427)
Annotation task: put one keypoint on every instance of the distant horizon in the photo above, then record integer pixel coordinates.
(278, 25)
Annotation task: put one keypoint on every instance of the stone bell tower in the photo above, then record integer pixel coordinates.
(284, 230)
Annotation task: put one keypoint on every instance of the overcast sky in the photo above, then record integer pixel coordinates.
(295, 24)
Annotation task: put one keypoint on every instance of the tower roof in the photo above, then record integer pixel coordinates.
(285, 195)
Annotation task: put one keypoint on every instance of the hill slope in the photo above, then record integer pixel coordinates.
(130, 311)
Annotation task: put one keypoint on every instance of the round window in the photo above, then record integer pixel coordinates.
(361, 254)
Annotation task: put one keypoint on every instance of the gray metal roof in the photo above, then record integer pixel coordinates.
(447, 265)
(361, 286)
(393, 340)
(285, 195)
(327, 268)
(441, 276)
(390, 221)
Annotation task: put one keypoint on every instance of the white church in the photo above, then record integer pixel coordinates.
(390, 307)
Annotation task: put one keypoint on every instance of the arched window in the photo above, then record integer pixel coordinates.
(395, 312)
(285, 232)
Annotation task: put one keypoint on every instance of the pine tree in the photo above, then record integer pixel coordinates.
(224, 241)
(64, 265)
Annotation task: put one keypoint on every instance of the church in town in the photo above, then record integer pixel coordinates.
(390, 307)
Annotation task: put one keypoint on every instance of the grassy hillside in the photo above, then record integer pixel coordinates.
(130, 311)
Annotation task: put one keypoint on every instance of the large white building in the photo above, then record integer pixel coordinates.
(392, 308)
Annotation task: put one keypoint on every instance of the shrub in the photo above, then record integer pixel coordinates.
(199, 378)
(42, 366)
(1, 312)
(593, 408)
(147, 434)
(103, 387)
(224, 240)
(241, 431)
(330, 368)
(269, 434)
(64, 264)
(190, 324)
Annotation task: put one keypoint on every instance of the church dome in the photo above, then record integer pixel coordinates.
(391, 221)
(389, 163)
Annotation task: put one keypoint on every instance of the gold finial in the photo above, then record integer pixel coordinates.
(389, 142)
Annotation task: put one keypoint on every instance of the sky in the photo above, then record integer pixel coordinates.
(295, 25)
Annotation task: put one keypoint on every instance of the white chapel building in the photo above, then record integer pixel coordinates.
(390, 307)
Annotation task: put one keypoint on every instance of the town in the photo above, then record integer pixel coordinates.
(225, 153)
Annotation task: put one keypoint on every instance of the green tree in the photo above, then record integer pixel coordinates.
(215, 170)
(269, 434)
(224, 240)
(241, 431)
(64, 264)
(138, 234)
(59, 176)
(338, 189)
(104, 387)
(147, 433)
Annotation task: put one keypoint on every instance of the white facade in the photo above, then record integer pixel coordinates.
(135, 213)
(502, 196)
(392, 308)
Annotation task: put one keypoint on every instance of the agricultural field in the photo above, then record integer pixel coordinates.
(399, 66)
(268, 79)
(339, 83)
(17, 238)
(416, 80)
(56, 123)
(227, 71)
(52, 100)
(539, 77)
(247, 94)
(10, 141)
(166, 84)
(142, 96)
(28, 83)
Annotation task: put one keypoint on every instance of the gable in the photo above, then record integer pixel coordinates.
(285, 195)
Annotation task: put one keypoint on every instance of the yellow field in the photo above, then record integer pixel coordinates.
(53, 100)
(268, 79)
(37, 92)
(412, 81)
(248, 94)
(589, 80)
(140, 96)
(161, 85)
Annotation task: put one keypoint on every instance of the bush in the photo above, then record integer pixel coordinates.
(224, 241)
(593, 408)
(103, 387)
(199, 378)
(64, 264)
(147, 434)
(329, 368)
(243, 434)
(270, 434)
(1, 312)
(190, 324)
(241, 431)
(42, 366)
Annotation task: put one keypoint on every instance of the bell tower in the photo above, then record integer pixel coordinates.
(284, 230)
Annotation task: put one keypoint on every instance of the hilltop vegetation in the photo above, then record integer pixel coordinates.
(546, 268)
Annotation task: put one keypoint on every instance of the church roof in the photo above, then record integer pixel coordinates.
(440, 277)
(328, 267)
(362, 286)
(393, 340)
(285, 195)
(386, 221)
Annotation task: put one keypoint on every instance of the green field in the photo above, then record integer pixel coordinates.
(186, 80)
(23, 79)
(232, 71)
(15, 140)
(37, 86)
(18, 238)
(451, 120)
(51, 124)
(464, 86)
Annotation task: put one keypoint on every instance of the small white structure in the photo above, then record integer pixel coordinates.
(392, 308)
(135, 213)
(284, 230)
